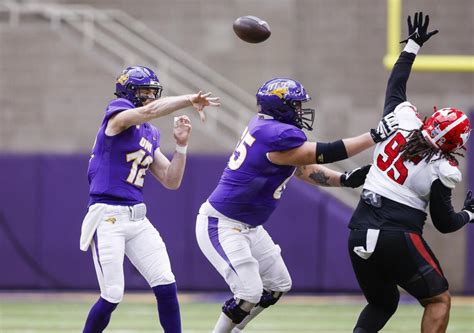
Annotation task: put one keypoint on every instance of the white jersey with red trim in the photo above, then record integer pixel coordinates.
(402, 181)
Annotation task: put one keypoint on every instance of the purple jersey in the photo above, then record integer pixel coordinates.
(118, 163)
(251, 185)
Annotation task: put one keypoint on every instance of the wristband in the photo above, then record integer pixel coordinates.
(181, 149)
(411, 47)
(471, 215)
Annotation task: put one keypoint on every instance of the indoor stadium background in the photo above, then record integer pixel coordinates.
(59, 61)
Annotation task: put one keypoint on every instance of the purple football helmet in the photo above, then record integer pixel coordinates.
(132, 79)
(282, 99)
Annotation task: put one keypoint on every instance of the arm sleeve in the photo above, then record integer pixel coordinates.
(397, 82)
(442, 211)
(288, 139)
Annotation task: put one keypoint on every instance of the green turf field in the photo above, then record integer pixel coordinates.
(64, 313)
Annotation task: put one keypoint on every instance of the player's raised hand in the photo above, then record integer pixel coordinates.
(356, 177)
(418, 31)
(182, 130)
(199, 101)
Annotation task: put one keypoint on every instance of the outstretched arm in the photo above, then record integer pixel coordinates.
(445, 219)
(319, 175)
(159, 108)
(321, 152)
(396, 86)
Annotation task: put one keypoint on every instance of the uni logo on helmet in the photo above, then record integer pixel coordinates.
(280, 92)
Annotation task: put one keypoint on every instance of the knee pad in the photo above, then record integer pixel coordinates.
(113, 294)
(269, 298)
(232, 310)
(285, 287)
(249, 290)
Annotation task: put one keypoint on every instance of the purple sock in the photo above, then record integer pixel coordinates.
(99, 316)
(168, 307)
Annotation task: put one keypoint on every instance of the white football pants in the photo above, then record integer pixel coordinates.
(116, 235)
(246, 257)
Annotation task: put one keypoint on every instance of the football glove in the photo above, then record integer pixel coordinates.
(356, 177)
(469, 206)
(387, 126)
(418, 31)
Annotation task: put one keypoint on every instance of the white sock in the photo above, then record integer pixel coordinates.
(253, 313)
(224, 324)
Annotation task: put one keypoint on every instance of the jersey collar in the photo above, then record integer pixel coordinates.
(264, 116)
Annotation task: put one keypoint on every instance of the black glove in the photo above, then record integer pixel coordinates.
(418, 31)
(469, 205)
(356, 177)
(387, 126)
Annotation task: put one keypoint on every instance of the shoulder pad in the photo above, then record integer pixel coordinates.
(121, 102)
(408, 113)
(286, 138)
(449, 174)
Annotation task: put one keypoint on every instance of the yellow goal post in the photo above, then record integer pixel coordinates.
(428, 63)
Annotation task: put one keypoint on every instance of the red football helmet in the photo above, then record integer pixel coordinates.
(447, 129)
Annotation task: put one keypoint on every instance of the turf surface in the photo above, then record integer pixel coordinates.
(64, 313)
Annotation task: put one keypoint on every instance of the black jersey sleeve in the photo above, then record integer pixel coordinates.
(397, 82)
(445, 219)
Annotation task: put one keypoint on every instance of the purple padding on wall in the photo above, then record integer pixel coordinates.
(311, 228)
(64, 204)
(469, 275)
(44, 199)
(20, 206)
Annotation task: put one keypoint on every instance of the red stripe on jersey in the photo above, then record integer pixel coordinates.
(420, 247)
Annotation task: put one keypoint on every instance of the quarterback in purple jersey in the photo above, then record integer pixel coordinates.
(126, 146)
(272, 148)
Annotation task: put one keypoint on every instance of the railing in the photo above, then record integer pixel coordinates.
(129, 41)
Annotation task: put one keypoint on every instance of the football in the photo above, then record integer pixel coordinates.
(251, 29)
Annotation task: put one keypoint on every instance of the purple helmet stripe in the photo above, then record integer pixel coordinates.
(96, 247)
(213, 231)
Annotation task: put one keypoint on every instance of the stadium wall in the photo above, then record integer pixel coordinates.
(44, 197)
(53, 95)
